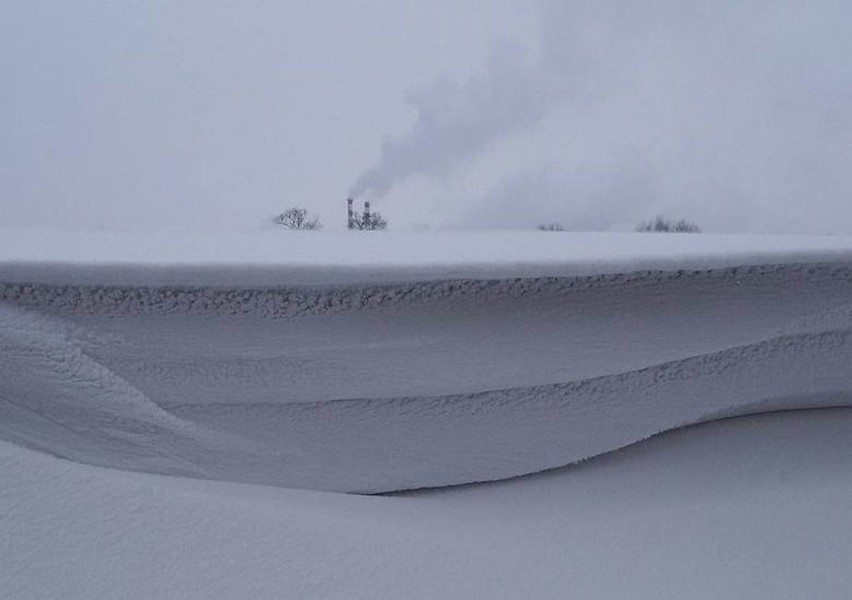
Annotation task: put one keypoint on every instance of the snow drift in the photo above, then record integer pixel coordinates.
(749, 508)
(414, 374)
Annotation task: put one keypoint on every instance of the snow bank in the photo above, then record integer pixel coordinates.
(278, 258)
(754, 508)
(355, 384)
(380, 363)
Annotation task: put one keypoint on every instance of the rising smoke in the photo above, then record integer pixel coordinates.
(735, 112)
(456, 121)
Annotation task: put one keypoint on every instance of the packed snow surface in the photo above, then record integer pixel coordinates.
(241, 365)
(306, 257)
(744, 509)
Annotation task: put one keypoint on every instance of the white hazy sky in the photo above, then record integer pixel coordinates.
(449, 113)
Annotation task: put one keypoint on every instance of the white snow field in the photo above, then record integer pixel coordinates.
(177, 414)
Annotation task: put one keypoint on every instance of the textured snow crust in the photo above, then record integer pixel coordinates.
(385, 387)
(189, 400)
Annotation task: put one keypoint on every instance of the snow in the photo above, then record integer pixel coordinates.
(743, 509)
(177, 415)
(326, 257)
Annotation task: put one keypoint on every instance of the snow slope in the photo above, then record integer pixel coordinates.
(194, 383)
(375, 387)
(752, 508)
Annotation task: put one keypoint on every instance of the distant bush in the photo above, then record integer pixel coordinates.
(297, 218)
(369, 221)
(663, 225)
(550, 227)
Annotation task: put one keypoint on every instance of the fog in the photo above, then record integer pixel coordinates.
(596, 115)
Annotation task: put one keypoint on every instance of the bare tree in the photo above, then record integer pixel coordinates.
(298, 218)
(369, 221)
(662, 225)
(684, 226)
(550, 227)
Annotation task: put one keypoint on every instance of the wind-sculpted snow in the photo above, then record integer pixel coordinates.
(56, 399)
(373, 388)
(320, 300)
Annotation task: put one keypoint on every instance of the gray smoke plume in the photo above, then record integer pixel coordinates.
(456, 121)
(736, 111)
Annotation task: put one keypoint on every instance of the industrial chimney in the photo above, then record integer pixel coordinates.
(367, 214)
(350, 223)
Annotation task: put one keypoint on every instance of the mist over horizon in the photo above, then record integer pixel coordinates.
(598, 116)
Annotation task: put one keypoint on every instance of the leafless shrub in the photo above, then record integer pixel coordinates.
(662, 225)
(369, 221)
(298, 218)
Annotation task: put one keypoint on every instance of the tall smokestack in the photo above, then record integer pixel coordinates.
(367, 213)
(350, 223)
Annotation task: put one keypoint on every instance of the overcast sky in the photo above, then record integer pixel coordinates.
(447, 114)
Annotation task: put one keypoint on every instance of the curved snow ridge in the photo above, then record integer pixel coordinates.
(393, 399)
(56, 399)
(302, 301)
(381, 445)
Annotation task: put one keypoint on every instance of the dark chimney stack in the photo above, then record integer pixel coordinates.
(367, 213)
(350, 223)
